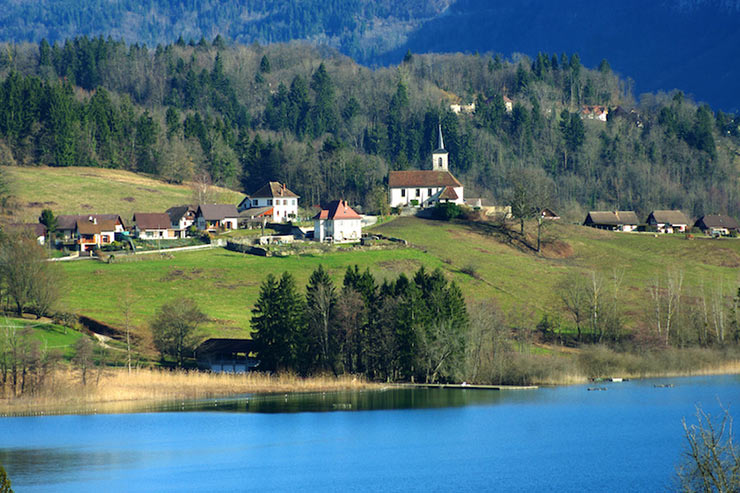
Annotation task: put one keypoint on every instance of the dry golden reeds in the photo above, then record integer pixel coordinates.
(117, 390)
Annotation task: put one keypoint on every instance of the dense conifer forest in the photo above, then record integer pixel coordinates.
(332, 128)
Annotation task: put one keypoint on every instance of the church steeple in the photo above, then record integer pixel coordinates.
(440, 156)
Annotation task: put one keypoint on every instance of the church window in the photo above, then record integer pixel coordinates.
(440, 162)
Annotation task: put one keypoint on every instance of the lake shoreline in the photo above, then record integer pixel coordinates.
(148, 390)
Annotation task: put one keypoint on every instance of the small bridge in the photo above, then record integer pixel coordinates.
(468, 386)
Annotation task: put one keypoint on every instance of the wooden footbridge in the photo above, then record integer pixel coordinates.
(467, 386)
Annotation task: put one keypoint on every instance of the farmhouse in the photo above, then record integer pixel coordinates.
(216, 217)
(668, 221)
(424, 188)
(612, 220)
(284, 203)
(717, 224)
(153, 225)
(226, 355)
(338, 223)
(181, 218)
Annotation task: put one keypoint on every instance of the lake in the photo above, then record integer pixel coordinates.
(626, 438)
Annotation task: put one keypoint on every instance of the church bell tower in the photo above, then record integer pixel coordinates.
(440, 155)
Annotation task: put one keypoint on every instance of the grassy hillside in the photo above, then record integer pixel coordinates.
(76, 190)
(517, 277)
(485, 265)
(224, 284)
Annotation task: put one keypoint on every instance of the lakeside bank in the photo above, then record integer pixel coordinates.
(115, 390)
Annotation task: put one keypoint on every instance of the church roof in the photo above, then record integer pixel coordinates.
(422, 178)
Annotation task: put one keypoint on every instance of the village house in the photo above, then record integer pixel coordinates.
(92, 233)
(599, 113)
(67, 223)
(216, 217)
(717, 225)
(673, 221)
(425, 188)
(612, 220)
(508, 104)
(153, 225)
(37, 230)
(181, 218)
(255, 216)
(284, 203)
(463, 108)
(338, 223)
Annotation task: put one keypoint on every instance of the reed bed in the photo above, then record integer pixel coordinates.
(117, 390)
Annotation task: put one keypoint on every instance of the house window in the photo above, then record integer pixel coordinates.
(429, 192)
(269, 201)
(403, 192)
(418, 192)
(256, 202)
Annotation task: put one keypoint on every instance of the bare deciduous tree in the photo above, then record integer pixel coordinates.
(203, 192)
(711, 459)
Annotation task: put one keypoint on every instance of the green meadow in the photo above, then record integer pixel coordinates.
(225, 284)
(80, 190)
(487, 266)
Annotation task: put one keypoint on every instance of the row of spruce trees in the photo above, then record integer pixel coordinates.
(405, 329)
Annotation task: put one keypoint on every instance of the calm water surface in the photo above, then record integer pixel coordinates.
(627, 438)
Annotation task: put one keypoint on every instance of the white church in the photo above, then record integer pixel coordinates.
(424, 188)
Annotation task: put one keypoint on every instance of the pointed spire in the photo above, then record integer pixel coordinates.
(441, 143)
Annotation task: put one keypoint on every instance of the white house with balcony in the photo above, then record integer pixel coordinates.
(284, 203)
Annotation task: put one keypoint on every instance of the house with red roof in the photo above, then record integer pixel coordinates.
(338, 223)
(425, 188)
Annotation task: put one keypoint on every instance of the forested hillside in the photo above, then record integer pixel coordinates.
(331, 128)
(663, 44)
(361, 28)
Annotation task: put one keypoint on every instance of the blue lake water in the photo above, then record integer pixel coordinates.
(627, 438)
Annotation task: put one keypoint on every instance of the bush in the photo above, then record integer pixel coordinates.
(446, 211)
